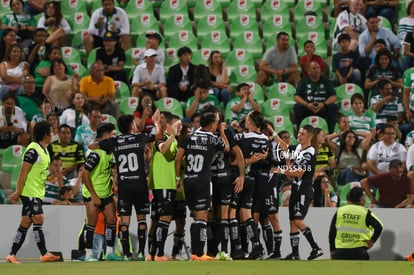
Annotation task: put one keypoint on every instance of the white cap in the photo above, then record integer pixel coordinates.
(150, 52)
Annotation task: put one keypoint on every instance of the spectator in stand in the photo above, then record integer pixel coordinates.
(333, 140)
(59, 86)
(408, 53)
(368, 37)
(362, 122)
(70, 152)
(200, 99)
(8, 39)
(143, 114)
(309, 56)
(113, 57)
(75, 116)
(387, 104)
(244, 103)
(384, 8)
(382, 152)
(34, 7)
(279, 63)
(395, 189)
(45, 108)
(345, 63)
(325, 159)
(43, 70)
(23, 24)
(382, 69)
(12, 71)
(55, 180)
(410, 163)
(53, 21)
(219, 78)
(406, 24)
(153, 42)
(13, 125)
(149, 77)
(315, 95)
(29, 90)
(350, 157)
(53, 120)
(86, 133)
(351, 22)
(180, 76)
(324, 196)
(100, 90)
(408, 99)
(409, 140)
(339, 6)
(38, 49)
(108, 18)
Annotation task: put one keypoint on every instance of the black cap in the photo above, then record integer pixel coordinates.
(110, 36)
(155, 35)
(395, 163)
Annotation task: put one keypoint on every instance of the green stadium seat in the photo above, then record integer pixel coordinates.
(169, 104)
(272, 7)
(121, 90)
(183, 38)
(282, 123)
(384, 22)
(275, 24)
(310, 23)
(170, 7)
(70, 7)
(91, 57)
(78, 39)
(284, 91)
(128, 105)
(239, 56)
(224, 3)
(15, 176)
(177, 22)
(200, 56)
(316, 122)
(135, 8)
(79, 69)
(217, 41)
(204, 8)
(242, 24)
(78, 21)
(70, 55)
(274, 107)
(142, 40)
(257, 90)
(12, 157)
(4, 7)
(241, 7)
(242, 73)
(321, 47)
(344, 94)
(111, 119)
(29, 107)
(251, 42)
(170, 58)
(142, 24)
(305, 6)
(210, 23)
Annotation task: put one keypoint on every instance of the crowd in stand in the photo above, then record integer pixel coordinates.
(360, 142)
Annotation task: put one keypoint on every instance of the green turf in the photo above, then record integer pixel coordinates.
(216, 268)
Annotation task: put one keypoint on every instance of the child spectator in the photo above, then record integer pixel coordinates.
(345, 63)
(309, 56)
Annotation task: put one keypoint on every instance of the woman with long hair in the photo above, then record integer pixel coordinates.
(325, 159)
(52, 20)
(12, 71)
(75, 115)
(8, 39)
(219, 77)
(143, 113)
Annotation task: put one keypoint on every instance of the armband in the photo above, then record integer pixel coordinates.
(177, 178)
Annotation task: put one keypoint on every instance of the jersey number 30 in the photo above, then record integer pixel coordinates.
(195, 163)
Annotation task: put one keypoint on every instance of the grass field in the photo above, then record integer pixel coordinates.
(217, 268)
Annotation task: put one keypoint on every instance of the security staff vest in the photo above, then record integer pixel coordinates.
(351, 228)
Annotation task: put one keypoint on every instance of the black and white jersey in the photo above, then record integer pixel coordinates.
(200, 148)
(128, 152)
(250, 144)
(221, 163)
(304, 159)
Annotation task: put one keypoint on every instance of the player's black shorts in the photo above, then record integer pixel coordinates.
(273, 191)
(31, 206)
(180, 210)
(244, 199)
(261, 195)
(197, 194)
(104, 201)
(222, 189)
(133, 194)
(163, 203)
(300, 199)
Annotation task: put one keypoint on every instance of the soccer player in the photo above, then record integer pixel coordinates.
(98, 194)
(301, 169)
(31, 189)
(199, 149)
(164, 184)
(254, 146)
(128, 150)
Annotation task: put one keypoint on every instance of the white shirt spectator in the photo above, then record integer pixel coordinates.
(119, 19)
(382, 154)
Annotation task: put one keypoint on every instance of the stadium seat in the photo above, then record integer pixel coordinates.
(78, 39)
(121, 90)
(240, 7)
(5, 7)
(170, 58)
(210, 23)
(15, 176)
(78, 21)
(70, 55)
(135, 8)
(183, 38)
(344, 192)
(281, 123)
(91, 57)
(142, 24)
(200, 56)
(242, 73)
(128, 105)
(12, 156)
(111, 119)
(272, 7)
(257, 91)
(310, 23)
(303, 7)
(251, 42)
(243, 23)
(70, 7)
(274, 107)
(218, 41)
(237, 57)
(204, 8)
(384, 22)
(29, 107)
(169, 104)
(79, 69)
(142, 40)
(284, 91)
(275, 24)
(316, 122)
(344, 94)
(270, 41)
(321, 47)
(130, 55)
(175, 23)
(224, 3)
(170, 7)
